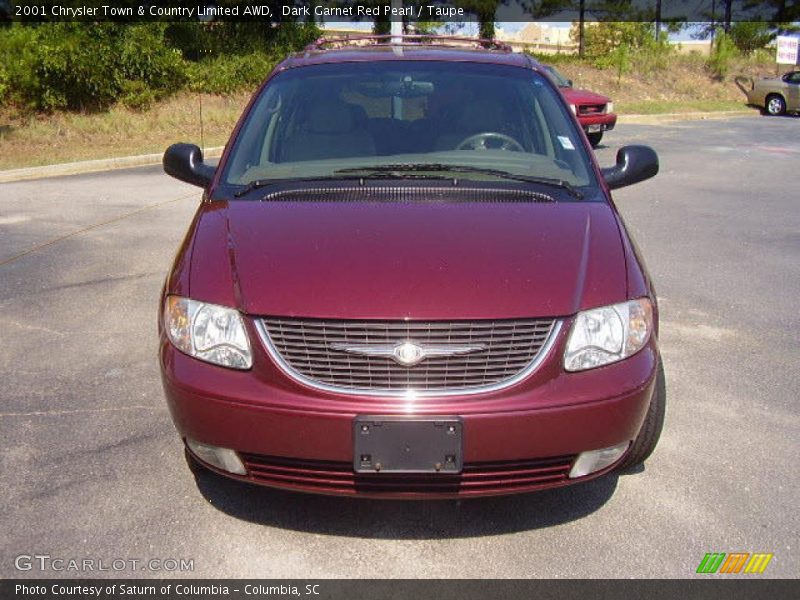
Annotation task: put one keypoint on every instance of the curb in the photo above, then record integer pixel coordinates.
(127, 162)
(683, 116)
(92, 166)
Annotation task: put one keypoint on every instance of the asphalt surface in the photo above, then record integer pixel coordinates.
(92, 468)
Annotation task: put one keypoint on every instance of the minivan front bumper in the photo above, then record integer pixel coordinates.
(520, 439)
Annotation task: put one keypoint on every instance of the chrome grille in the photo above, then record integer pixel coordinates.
(310, 350)
(592, 109)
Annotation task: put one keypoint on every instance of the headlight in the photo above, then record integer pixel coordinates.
(209, 332)
(574, 109)
(610, 107)
(607, 334)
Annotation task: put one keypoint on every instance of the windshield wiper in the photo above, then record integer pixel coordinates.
(340, 175)
(415, 167)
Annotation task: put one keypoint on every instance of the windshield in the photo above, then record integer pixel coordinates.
(560, 80)
(324, 121)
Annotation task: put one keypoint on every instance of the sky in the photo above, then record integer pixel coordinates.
(507, 26)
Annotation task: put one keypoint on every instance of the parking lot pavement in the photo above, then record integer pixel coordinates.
(92, 468)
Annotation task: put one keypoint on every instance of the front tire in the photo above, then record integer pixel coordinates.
(594, 138)
(647, 440)
(776, 105)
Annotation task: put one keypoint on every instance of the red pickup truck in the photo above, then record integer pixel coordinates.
(595, 112)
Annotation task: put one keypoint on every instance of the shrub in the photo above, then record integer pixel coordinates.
(236, 56)
(137, 96)
(16, 42)
(143, 56)
(654, 56)
(226, 74)
(3, 85)
(722, 54)
(625, 46)
(88, 66)
(620, 59)
(199, 41)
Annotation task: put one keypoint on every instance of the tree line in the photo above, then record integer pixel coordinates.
(88, 66)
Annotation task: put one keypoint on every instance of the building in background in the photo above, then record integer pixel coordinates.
(541, 38)
(701, 47)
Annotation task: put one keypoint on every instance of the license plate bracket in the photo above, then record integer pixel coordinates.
(594, 128)
(398, 444)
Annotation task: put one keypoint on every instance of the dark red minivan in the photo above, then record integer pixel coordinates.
(407, 279)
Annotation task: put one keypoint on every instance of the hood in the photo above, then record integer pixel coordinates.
(578, 97)
(366, 260)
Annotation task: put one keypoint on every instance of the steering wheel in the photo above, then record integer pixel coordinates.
(478, 142)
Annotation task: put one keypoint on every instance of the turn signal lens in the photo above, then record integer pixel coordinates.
(222, 458)
(595, 460)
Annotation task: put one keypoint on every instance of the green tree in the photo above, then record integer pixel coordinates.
(484, 11)
(427, 27)
(589, 11)
(603, 38)
(749, 36)
(721, 55)
(781, 16)
(624, 45)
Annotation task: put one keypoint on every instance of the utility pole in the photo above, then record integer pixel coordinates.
(658, 20)
(397, 22)
(713, 23)
(397, 38)
(727, 25)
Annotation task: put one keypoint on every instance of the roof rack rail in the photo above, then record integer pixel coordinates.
(451, 41)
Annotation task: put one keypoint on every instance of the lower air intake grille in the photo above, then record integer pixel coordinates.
(476, 478)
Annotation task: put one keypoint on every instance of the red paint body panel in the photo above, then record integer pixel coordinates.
(418, 261)
(582, 97)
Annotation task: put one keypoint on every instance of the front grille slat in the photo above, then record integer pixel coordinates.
(592, 109)
(300, 340)
(304, 346)
(513, 355)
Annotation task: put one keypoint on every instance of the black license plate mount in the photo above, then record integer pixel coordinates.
(397, 444)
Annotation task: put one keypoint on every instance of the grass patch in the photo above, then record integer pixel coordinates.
(28, 141)
(655, 107)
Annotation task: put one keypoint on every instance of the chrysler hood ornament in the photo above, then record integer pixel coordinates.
(408, 353)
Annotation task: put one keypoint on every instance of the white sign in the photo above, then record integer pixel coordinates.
(787, 50)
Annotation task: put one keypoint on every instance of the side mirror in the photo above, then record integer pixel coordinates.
(569, 82)
(185, 162)
(634, 164)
